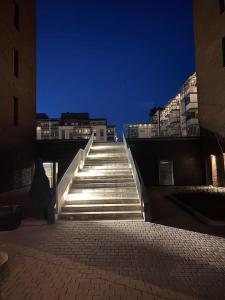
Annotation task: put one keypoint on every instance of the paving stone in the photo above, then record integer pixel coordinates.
(111, 260)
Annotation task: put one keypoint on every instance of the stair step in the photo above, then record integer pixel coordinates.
(100, 207)
(104, 189)
(95, 196)
(106, 215)
(106, 172)
(96, 185)
(102, 180)
(115, 167)
(101, 201)
(117, 190)
(80, 176)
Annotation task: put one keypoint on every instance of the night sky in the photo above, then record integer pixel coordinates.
(112, 58)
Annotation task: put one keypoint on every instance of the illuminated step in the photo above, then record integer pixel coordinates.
(102, 175)
(103, 215)
(101, 207)
(102, 201)
(95, 185)
(104, 189)
(107, 166)
(103, 196)
(116, 190)
(108, 179)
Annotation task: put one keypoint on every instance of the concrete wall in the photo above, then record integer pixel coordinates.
(61, 151)
(16, 157)
(188, 163)
(209, 24)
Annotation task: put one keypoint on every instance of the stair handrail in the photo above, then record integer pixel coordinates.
(137, 175)
(64, 184)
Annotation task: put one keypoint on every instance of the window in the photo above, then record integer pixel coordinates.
(223, 47)
(16, 15)
(101, 132)
(16, 62)
(222, 6)
(15, 111)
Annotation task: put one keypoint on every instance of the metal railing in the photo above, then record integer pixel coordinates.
(137, 176)
(67, 179)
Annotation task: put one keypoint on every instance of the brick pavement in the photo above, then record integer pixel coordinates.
(111, 260)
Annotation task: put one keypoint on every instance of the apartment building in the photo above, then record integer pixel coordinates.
(140, 131)
(179, 117)
(47, 128)
(173, 114)
(72, 126)
(111, 133)
(17, 94)
(189, 107)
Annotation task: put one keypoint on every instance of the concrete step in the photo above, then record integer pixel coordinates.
(101, 207)
(95, 185)
(85, 195)
(114, 167)
(108, 144)
(109, 215)
(107, 171)
(103, 175)
(102, 201)
(109, 150)
(108, 179)
(98, 161)
(102, 191)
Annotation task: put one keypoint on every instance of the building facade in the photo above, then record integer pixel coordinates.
(73, 126)
(179, 117)
(189, 107)
(140, 131)
(17, 94)
(209, 28)
(209, 25)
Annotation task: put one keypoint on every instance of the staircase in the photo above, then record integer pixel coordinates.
(104, 189)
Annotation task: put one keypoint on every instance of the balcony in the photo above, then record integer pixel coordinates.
(192, 122)
(192, 106)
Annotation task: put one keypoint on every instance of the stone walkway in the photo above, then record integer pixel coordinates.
(111, 260)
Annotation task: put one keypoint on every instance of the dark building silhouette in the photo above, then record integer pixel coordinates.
(209, 25)
(209, 22)
(17, 94)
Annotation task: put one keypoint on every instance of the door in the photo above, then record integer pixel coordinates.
(166, 172)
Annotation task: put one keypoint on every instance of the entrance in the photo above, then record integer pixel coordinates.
(166, 172)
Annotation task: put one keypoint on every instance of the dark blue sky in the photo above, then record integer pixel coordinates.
(112, 58)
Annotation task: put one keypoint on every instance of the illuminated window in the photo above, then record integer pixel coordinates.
(16, 15)
(15, 111)
(222, 6)
(16, 62)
